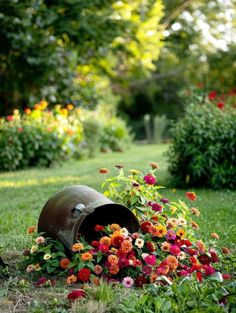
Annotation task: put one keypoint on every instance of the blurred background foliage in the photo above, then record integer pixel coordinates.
(137, 56)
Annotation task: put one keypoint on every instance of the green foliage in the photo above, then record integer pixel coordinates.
(75, 50)
(203, 148)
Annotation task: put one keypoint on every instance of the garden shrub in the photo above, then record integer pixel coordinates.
(203, 150)
(40, 137)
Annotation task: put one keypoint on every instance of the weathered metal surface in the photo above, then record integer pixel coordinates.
(75, 211)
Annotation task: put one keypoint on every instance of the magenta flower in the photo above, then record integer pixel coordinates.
(209, 270)
(184, 273)
(164, 200)
(150, 179)
(170, 235)
(156, 207)
(150, 259)
(147, 270)
(128, 282)
(175, 250)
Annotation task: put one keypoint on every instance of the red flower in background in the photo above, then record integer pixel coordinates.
(145, 227)
(76, 294)
(212, 95)
(99, 228)
(220, 105)
(10, 118)
(150, 179)
(191, 195)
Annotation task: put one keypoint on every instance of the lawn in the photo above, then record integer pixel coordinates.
(24, 193)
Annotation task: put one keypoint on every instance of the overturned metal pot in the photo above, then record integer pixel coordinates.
(76, 210)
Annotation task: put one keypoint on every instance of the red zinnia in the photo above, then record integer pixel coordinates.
(99, 228)
(220, 105)
(212, 95)
(83, 274)
(191, 195)
(145, 227)
(103, 248)
(76, 294)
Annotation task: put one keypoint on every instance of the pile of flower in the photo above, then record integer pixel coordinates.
(165, 248)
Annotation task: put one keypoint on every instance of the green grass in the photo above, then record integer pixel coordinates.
(24, 193)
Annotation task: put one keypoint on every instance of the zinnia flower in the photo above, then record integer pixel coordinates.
(150, 179)
(105, 241)
(191, 195)
(99, 228)
(128, 282)
(114, 227)
(201, 246)
(104, 170)
(112, 259)
(124, 232)
(150, 259)
(161, 231)
(47, 256)
(116, 241)
(40, 240)
(165, 246)
(156, 207)
(31, 230)
(33, 249)
(103, 248)
(175, 250)
(220, 105)
(182, 255)
(98, 269)
(164, 200)
(64, 263)
(87, 256)
(212, 95)
(150, 246)
(71, 279)
(114, 269)
(30, 268)
(77, 247)
(147, 269)
(83, 274)
(170, 235)
(225, 250)
(195, 211)
(145, 227)
(226, 276)
(172, 262)
(215, 236)
(139, 243)
(76, 294)
(194, 225)
(181, 232)
(163, 270)
(126, 246)
(154, 165)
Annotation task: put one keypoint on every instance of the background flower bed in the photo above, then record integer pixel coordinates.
(40, 137)
(203, 151)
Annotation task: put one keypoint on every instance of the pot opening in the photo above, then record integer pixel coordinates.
(105, 215)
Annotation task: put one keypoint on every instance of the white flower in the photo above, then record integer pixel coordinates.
(139, 242)
(144, 255)
(182, 255)
(33, 249)
(47, 256)
(182, 221)
(40, 240)
(124, 232)
(30, 268)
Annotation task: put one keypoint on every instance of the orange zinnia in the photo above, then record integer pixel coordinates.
(158, 231)
(163, 270)
(64, 263)
(87, 256)
(115, 227)
(112, 259)
(77, 247)
(191, 195)
(194, 225)
(105, 241)
(71, 279)
(31, 230)
(215, 236)
(104, 170)
(126, 246)
(114, 269)
(172, 262)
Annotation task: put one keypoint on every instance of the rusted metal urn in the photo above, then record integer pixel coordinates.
(76, 210)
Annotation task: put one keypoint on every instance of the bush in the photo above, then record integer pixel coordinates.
(203, 151)
(40, 137)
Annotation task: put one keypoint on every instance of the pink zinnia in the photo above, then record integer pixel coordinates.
(175, 250)
(156, 207)
(128, 282)
(164, 200)
(184, 273)
(150, 179)
(150, 259)
(170, 235)
(209, 270)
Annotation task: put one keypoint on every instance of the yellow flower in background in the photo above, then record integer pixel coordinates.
(47, 256)
(70, 107)
(77, 247)
(64, 112)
